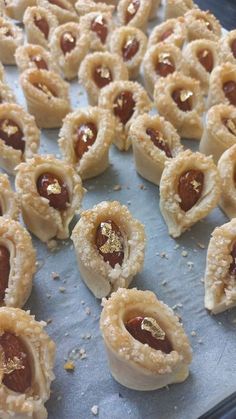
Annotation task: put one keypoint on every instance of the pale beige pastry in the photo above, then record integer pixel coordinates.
(109, 245)
(226, 167)
(19, 136)
(220, 275)
(190, 189)
(99, 26)
(161, 60)
(6, 93)
(180, 100)
(35, 56)
(2, 73)
(126, 100)
(202, 25)
(145, 342)
(2, 8)
(50, 193)
(223, 85)
(85, 139)
(130, 44)
(98, 70)
(134, 13)
(219, 132)
(176, 8)
(227, 47)
(155, 142)
(84, 7)
(62, 9)
(11, 36)
(47, 97)
(9, 200)
(26, 364)
(15, 9)
(40, 24)
(171, 31)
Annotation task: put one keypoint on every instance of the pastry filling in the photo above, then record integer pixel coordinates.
(190, 188)
(86, 137)
(99, 26)
(54, 189)
(15, 363)
(232, 268)
(183, 99)
(6, 31)
(67, 42)
(230, 91)
(4, 271)
(130, 49)
(45, 89)
(165, 35)
(132, 10)
(205, 57)
(58, 4)
(39, 62)
(110, 243)
(230, 125)
(159, 141)
(42, 25)
(12, 135)
(102, 76)
(147, 331)
(164, 66)
(233, 47)
(124, 106)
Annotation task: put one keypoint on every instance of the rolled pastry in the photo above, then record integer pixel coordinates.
(51, 193)
(98, 70)
(99, 26)
(2, 73)
(6, 93)
(190, 189)
(15, 9)
(126, 100)
(176, 8)
(134, 13)
(172, 31)
(227, 48)
(47, 97)
(85, 139)
(154, 141)
(34, 56)
(10, 38)
(40, 24)
(220, 280)
(179, 99)
(202, 25)
(219, 132)
(62, 9)
(27, 360)
(9, 200)
(223, 85)
(109, 245)
(226, 167)
(146, 345)
(84, 7)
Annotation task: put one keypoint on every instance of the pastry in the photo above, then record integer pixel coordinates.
(51, 193)
(19, 136)
(62, 9)
(179, 99)
(227, 48)
(39, 24)
(190, 189)
(34, 56)
(27, 360)
(220, 280)
(226, 167)
(9, 201)
(85, 139)
(109, 245)
(134, 13)
(10, 38)
(176, 8)
(155, 141)
(98, 70)
(47, 97)
(219, 132)
(99, 26)
(17, 261)
(6, 93)
(172, 31)
(155, 6)
(2, 73)
(126, 100)
(15, 9)
(84, 7)
(146, 345)
(223, 85)
(202, 25)
(130, 44)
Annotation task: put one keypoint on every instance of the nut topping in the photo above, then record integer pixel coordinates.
(102, 76)
(233, 47)
(205, 57)
(42, 24)
(232, 268)
(165, 35)
(165, 66)
(67, 42)
(124, 106)
(99, 26)
(130, 48)
(39, 62)
(132, 10)
(4, 271)
(11, 134)
(190, 188)
(230, 91)
(110, 243)
(86, 136)
(159, 141)
(54, 189)
(231, 125)
(182, 98)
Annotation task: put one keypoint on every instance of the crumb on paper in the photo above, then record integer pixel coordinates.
(59, 398)
(117, 188)
(55, 275)
(142, 187)
(62, 289)
(193, 333)
(88, 311)
(69, 366)
(176, 306)
(52, 245)
(94, 410)
(48, 296)
(164, 283)
(164, 255)
(176, 246)
(190, 265)
(201, 245)
(184, 253)
(49, 321)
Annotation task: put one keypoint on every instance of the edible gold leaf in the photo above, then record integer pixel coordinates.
(88, 134)
(185, 95)
(164, 57)
(113, 243)
(68, 37)
(150, 325)
(195, 185)
(9, 129)
(54, 188)
(104, 72)
(99, 19)
(10, 365)
(131, 9)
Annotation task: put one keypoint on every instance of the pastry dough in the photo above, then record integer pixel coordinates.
(19, 136)
(220, 283)
(62, 9)
(227, 48)
(172, 31)
(34, 56)
(98, 70)
(9, 201)
(126, 100)
(219, 132)
(226, 167)
(130, 44)
(10, 38)
(202, 25)
(6, 93)
(85, 139)
(134, 13)
(155, 141)
(190, 189)
(84, 7)
(39, 24)
(136, 365)
(99, 27)
(161, 60)
(20, 330)
(15, 9)
(176, 8)
(47, 97)
(109, 245)
(223, 85)
(179, 99)
(48, 217)
(18, 259)
(2, 73)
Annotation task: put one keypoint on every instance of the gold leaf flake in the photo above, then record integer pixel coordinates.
(69, 366)
(231, 126)
(99, 19)
(10, 365)
(164, 57)
(185, 95)
(131, 9)
(37, 16)
(150, 325)
(54, 188)
(129, 41)
(87, 135)
(195, 185)
(104, 72)
(68, 37)
(9, 129)
(205, 53)
(113, 243)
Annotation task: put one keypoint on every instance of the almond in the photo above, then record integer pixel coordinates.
(109, 242)
(190, 188)
(4, 271)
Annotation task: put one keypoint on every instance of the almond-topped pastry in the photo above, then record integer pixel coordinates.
(84, 7)
(19, 136)
(155, 141)
(179, 99)
(134, 13)
(15, 9)
(220, 275)
(146, 345)
(172, 31)
(190, 189)
(223, 85)
(202, 25)
(26, 363)
(47, 97)
(227, 171)
(39, 25)
(51, 193)
(98, 70)
(126, 100)
(6, 94)
(10, 38)
(62, 9)
(176, 8)
(227, 48)
(109, 245)
(9, 200)
(99, 26)
(130, 44)
(34, 56)
(85, 139)
(219, 132)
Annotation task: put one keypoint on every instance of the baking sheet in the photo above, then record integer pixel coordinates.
(173, 270)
